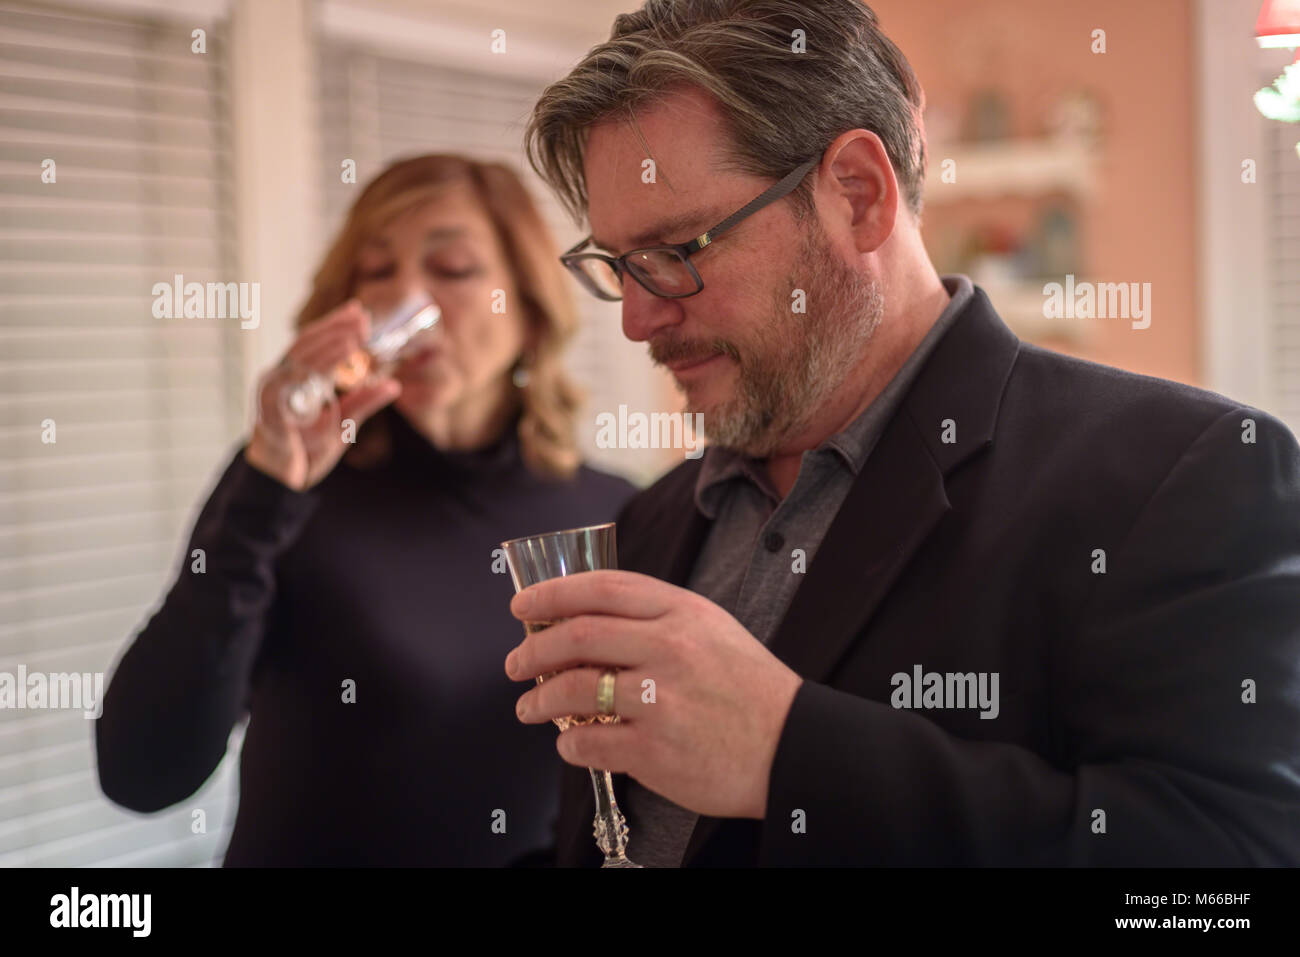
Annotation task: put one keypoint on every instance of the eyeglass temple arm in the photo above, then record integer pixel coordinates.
(770, 195)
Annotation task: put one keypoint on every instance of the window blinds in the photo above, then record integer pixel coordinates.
(141, 411)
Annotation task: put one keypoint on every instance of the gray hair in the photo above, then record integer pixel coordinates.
(779, 105)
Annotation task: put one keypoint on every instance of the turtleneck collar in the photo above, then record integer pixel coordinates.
(410, 445)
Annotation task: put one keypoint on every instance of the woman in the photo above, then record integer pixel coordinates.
(347, 596)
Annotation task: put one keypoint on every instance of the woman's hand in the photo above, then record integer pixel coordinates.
(296, 455)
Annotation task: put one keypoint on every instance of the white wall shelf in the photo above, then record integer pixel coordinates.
(1011, 168)
(1020, 304)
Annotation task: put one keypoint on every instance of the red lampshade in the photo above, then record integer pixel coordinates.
(1279, 24)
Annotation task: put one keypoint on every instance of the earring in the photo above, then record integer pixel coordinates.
(520, 375)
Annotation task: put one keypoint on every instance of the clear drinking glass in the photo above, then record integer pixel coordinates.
(302, 400)
(551, 555)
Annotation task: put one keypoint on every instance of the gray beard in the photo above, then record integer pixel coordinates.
(798, 360)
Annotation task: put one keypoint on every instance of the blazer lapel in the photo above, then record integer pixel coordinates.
(674, 556)
(895, 501)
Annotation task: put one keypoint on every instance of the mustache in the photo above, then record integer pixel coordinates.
(666, 349)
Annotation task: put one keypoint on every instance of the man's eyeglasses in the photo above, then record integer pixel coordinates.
(666, 271)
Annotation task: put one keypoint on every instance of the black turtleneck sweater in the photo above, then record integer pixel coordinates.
(381, 579)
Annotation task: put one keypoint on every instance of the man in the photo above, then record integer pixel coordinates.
(933, 595)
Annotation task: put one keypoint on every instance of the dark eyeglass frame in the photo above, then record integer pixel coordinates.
(573, 258)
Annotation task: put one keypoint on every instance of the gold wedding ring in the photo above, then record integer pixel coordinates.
(605, 692)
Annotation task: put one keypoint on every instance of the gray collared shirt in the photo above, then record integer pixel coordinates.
(780, 537)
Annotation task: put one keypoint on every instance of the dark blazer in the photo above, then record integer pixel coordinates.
(1122, 691)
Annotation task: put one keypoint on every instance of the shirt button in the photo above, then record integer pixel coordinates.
(773, 541)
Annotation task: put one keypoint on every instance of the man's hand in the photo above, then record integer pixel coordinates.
(720, 699)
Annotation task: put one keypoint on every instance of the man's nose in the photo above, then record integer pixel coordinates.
(644, 313)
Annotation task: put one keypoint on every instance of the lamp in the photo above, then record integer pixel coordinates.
(1278, 25)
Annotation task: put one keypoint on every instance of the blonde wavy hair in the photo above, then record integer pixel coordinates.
(550, 401)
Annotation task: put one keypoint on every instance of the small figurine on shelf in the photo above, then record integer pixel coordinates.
(989, 120)
(1057, 242)
(1076, 117)
(993, 256)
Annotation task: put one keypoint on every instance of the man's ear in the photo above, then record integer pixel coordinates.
(863, 190)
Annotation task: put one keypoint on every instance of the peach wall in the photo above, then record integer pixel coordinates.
(1141, 224)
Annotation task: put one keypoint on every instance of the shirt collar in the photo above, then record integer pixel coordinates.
(719, 469)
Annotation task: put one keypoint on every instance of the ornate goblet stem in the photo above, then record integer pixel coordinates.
(610, 825)
(538, 558)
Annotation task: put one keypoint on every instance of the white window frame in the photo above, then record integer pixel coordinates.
(1236, 329)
